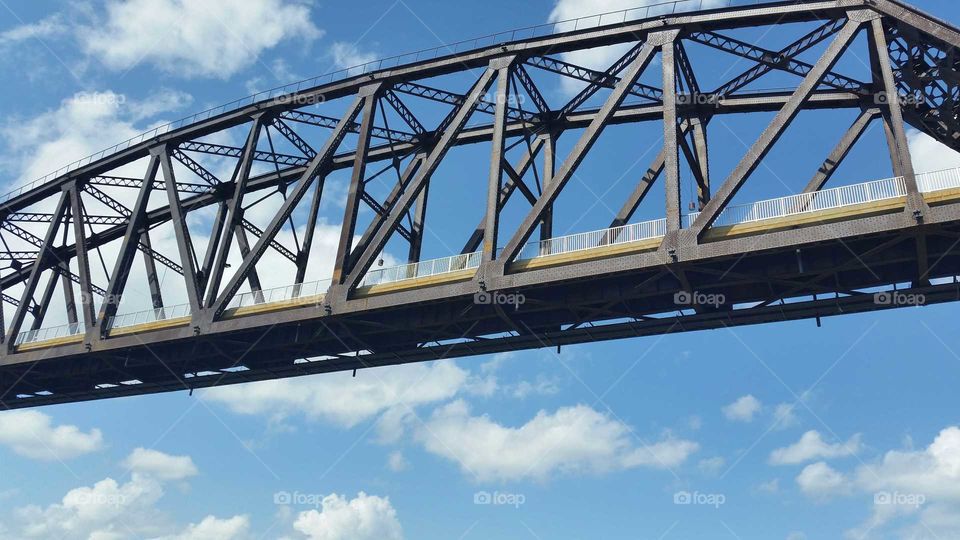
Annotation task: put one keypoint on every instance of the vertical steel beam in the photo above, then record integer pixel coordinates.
(69, 299)
(39, 265)
(83, 261)
(128, 248)
(234, 210)
(495, 180)
(342, 263)
(549, 170)
(878, 41)
(150, 266)
(774, 131)
(184, 244)
(702, 150)
(671, 151)
(303, 257)
(586, 142)
(419, 219)
(211, 251)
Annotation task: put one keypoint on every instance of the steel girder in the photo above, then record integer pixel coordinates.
(914, 61)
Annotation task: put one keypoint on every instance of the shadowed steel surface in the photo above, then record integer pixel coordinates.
(821, 251)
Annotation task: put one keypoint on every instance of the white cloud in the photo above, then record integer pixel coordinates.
(160, 465)
(396, 462)
(45, 28)
(366, 517)
(930, 155)
(32, 434)
(111, 510)
(213, 528)
(811, 446)
(347, 55)
(923, 484)
(342, 399)
(743, 409)
(194, 37)
(820, 481)
(784, 416)
(711, 466)
(573, 440)
(83, 124)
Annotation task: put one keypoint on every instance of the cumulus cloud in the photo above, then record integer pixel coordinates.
(160, 465)
(44, 28)
(572, 440)
(930, 155)
(743, 409)
(109, 509)
(33, 435)
(347, 55)
(213, 528)
(811, 446)
(820, 481)
(342, 399)
(83, 124)
(194, 38)
(365, 517)
(921, 484)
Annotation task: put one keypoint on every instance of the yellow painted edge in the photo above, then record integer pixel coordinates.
(942, 195)
(459, 275)
(150, 326)
(46, 344)
(273, 306)
(586, 255)
(812, 218)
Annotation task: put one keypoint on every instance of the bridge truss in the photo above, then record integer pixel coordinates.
(260, 198)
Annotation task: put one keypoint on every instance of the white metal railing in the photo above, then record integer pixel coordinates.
(802, 203)
(938, 180)
(421, 269)
(281, 294)
(126, 320)
(594, 239)
(46, 334)
(291, 91)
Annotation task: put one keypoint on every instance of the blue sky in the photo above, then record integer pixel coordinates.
(779, 431)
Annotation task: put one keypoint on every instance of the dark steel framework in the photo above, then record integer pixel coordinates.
(814, 271)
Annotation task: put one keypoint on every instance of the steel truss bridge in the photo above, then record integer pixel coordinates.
(817, 253)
